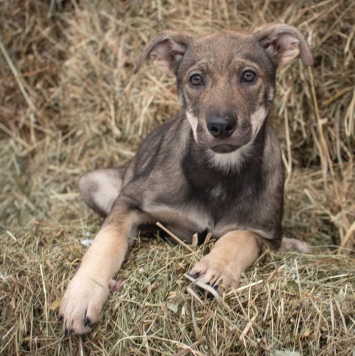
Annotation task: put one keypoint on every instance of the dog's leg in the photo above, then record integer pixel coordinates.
(229, 258)
(89, 289)
(288, 244)
(100, 188)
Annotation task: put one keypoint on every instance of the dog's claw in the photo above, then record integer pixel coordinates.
(209, 296)
(68, 331)
(195, 275)
(87, 322)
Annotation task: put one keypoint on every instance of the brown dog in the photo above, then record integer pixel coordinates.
(214, 167)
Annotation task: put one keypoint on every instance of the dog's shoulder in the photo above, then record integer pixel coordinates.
(161, 148)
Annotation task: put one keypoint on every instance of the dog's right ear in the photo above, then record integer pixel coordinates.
(166, 50)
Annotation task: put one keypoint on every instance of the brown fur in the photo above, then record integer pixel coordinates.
(214, 167)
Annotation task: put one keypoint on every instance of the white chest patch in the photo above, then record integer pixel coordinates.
(228, 162)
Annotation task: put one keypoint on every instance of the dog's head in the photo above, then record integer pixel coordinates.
(226, 81)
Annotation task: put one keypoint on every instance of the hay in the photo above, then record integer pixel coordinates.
(69, 103)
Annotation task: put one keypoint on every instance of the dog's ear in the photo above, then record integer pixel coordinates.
(283, 43)
(166, 50)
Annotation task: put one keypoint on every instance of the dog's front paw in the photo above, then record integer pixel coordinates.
(82, 303)
(215, 273)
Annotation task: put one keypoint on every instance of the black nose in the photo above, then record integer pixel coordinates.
(221, 127)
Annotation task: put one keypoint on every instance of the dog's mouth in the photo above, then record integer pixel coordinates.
(224, 148)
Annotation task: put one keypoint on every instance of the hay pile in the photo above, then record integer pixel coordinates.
(69, 103)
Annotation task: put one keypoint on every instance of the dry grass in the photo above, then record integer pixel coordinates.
(69, 103)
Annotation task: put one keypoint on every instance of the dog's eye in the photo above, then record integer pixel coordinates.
(196, 80)
(248, 76)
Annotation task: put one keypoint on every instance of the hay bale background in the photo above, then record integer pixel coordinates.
(69, 103)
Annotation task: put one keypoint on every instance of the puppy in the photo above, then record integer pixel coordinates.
(215, 167)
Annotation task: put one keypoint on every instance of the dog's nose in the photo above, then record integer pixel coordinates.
(221, 127)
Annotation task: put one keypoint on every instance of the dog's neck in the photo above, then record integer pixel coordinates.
(211, 185)
(237, 173)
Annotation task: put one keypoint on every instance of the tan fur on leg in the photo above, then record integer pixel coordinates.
(230, 256)
(288, 244)
(89, 289)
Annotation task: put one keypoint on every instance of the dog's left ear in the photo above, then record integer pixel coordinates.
(166, 50)
(283, 43)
